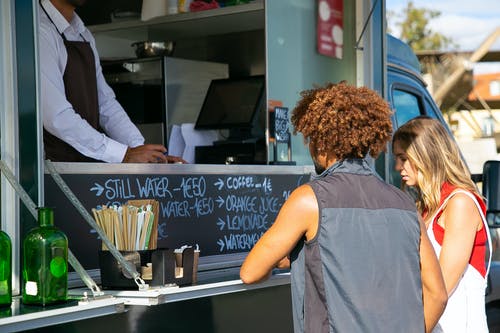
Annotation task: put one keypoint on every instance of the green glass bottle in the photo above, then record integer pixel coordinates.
(45, 262)
(5, 270)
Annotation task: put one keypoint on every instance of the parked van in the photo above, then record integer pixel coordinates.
(408, 96)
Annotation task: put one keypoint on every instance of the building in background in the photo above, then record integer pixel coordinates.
(470, 102)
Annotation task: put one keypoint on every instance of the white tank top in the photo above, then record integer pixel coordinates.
(465, 311)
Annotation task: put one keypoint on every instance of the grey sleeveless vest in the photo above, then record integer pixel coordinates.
(361, 273)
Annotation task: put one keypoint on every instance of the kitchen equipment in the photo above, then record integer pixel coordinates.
(153, 48)
(158, 92)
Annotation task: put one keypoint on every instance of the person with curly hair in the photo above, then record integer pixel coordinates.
(360, 258)
(429, 161)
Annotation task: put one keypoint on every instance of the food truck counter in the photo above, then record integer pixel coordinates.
(169, 294)
(21, 317)
(82, 310)
(222, 209)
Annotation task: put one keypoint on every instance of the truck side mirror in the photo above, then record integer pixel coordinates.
(491, 191)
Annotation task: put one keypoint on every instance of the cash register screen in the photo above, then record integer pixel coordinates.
(232, 104)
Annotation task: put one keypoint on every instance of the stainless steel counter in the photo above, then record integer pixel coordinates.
(175, 169)
(21, 318)
(158, 296)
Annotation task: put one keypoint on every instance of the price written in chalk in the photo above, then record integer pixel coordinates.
(221, 213)
(243, 182)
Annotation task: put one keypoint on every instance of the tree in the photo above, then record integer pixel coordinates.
(414, 25)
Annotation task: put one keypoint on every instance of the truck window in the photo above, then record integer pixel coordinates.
(407, 106)
(431, 109)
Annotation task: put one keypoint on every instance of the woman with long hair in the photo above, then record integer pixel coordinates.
(429, 161)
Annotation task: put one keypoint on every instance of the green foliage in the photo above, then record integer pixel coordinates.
(415, 30)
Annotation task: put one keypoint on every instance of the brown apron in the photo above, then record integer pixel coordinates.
(80, 86)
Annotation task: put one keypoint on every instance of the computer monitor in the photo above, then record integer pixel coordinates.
(232, 104)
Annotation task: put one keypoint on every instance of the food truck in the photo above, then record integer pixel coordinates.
(243, 165)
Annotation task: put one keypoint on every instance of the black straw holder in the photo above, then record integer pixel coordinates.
(113, 276)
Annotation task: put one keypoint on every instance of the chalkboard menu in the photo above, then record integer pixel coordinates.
(223, 214)
(280, 124)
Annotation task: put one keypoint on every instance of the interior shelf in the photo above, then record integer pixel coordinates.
(238, 18)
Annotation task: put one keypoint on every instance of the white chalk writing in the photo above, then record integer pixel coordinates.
(156, 187)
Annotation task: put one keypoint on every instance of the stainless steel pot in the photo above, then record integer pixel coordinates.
(153, 48)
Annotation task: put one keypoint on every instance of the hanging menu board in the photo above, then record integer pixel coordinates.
(223, 214)
(281, 124)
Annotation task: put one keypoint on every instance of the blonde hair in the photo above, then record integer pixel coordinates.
(434, 154)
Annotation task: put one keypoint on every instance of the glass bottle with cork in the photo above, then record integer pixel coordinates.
(5, 270)
(45, 262)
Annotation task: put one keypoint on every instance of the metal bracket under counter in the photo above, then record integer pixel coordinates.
(157, 296)
(24, 318)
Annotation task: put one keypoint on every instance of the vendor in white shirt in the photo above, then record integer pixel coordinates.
(82, 120)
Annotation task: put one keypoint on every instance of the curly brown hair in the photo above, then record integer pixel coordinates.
(343, 121)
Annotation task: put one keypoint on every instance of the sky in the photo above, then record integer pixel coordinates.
(467, 22)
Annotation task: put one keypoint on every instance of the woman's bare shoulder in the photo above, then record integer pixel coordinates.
(461, 209)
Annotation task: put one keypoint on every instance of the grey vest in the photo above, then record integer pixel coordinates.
(361, 273)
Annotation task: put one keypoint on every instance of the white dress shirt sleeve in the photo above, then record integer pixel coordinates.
(113, 118)
(61, 120)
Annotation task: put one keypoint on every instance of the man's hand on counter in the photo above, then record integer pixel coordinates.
(150, 153)
(175, 159)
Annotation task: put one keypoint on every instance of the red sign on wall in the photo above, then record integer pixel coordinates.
(330, 28)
